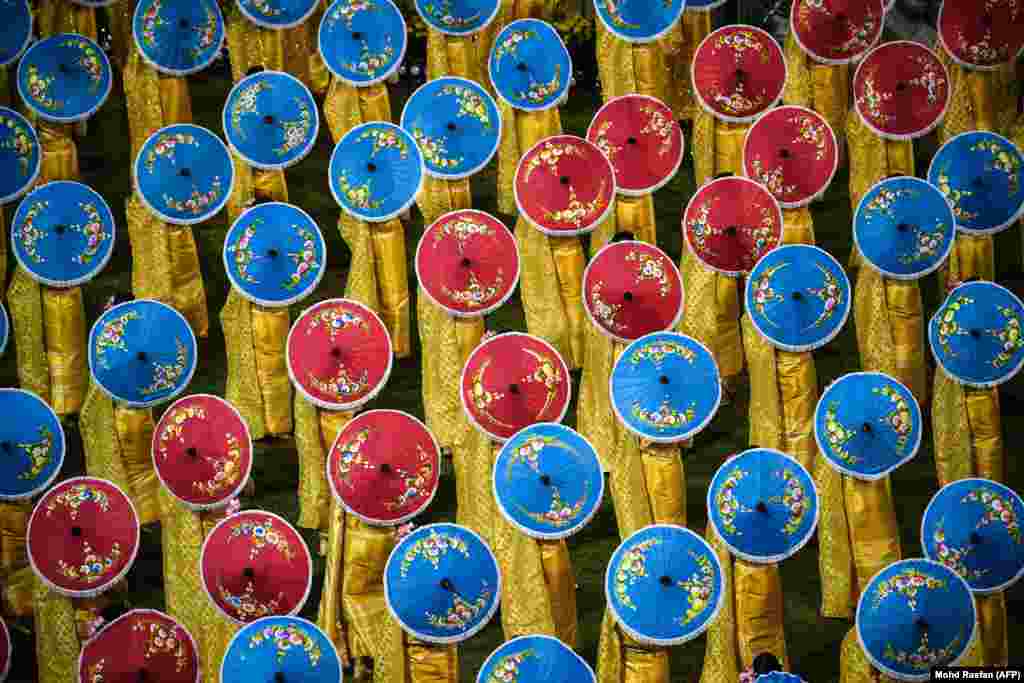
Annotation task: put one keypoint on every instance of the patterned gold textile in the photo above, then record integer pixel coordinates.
(63, 16)
(995, 647)
(626, 68)
(874, 529)
(15, 573)
(797, 226)
(973, 256)
(835, 556)
(854, 666)
(428, 663)
(825, 88)
(967, 430)
(288, 50)
(461, 56)
(57, 641)
(679, 46)
(759, 612)
(119, 23)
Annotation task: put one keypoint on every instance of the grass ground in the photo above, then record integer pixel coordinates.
(813, 641)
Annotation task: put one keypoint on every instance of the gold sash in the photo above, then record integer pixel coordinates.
(460, 56)
(428, 663)
(287, 50)
(973, 256)
(759, 612)
(797, 226)
(967, 431)
(874, 530)
(15, 573)
(57, 641)
(679, 46)
(63, 16)
(825, 88)
(995, 646)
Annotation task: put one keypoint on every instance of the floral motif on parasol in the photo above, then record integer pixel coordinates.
(271, 120)
(535, 659)
(738, 73)
(281, 649)
(178, 37)
(277, 14)
(529, 65)
(836, 31)
(32, 447)
(639, 21)
(458, 17)
(64, 78)
(981, 34)
(141, 645)
(20, 155)
(15, 33)
(362, 42)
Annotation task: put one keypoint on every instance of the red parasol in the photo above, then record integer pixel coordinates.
(731, 223)
(564, 186)
(140, 645)
(738, 72)
(901, 90)
(836, 31)
(982, 34)
(339, 354)
(83, 537)
(384, 467)
(632, 289)
(512, 381)
(641, 138)
(254, 564)
(793, 152)
(467, 262)
(202, 451)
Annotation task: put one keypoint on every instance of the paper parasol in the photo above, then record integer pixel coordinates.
(665, 387)
(458, 17)
(362, 42)
(529, 66)
(376, 172)
(5, 329)
(255, 564)
(271, 120)
(730, 223)
(202, 451)
(972, 526)
(142, 353)
(63, 234)
(6, 651)
(535, 659)
(631, 289)
(184, 174)
(20, 155)
(738, 73)
(178, 37)
(641, 139)
(975, 335)
(384, 467)
(798, 297)
(836, 31)
(901, 90)
(548, 482)
(94, 3)
(639, 21)
(564, 185)
(978, 37)
(664, 585)
(982, 176)
(339, 354)
(442, 583)
(140, 645)
(512, 381)
(456, 124)
(779, 677)
(277, 14)
(904, 228)
(15, 34)
(32, 445)
(867, 424)
(83, 536)
(704, 5)
(915, 615)
(281, 650)
(274, 254)
(467, 263)
(64, 78)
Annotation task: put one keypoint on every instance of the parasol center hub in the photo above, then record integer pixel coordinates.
(901, 86)
(385, 468)
(279, 677)
(141, 355)
(183, 23)
(248, 572)
(564, 180)
(268, 119)
(731, 231)
(631, 141)
(986, 19)
(185, 172)
(976, 333)
(665, 581)
(974, 538)
(143, 675)
(761, 507)
(784, 154)
(336, 352)
(741, 75)
(663, 379)
(545, 479)
(60, 229)
(450, 126)
(192, 452)
(797, 296)
(628, 296)
(63, 68)
(465, 262)
(6, 445)
(521, 66)
(921, 624)
(357, 35)
(272, 253)
(76, 531)
(371, 167)
(866, 428)
(840, 18)
(447, 584)
(513, 388)
(903, 227)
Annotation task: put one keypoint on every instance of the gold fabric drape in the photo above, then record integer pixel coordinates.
(15, 573)
(995, 646)
(874, 529)
(679, 46)
(798, 226)
(289, 50)
(825, 88)
(63, 16)
(429, 663)
(642, 68)
(459, 56)
(973, 256)
(967, 431)
(57, 642)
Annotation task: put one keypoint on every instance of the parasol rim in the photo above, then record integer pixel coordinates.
(199, 507)
(271, 25)
(63, 441)
(457, 34)
(132, 612)
(707, 7)
(53, 118)
(538, 636)
(5, 321)
(838, 62)
(519, 105)
(13, 58)
(10, 651)
(222, 37)
(534, 533)
(961, 62)
(708, 109)
(294, 617)
(614, 31)
(112, 581)
(385, 75)
(29, 184)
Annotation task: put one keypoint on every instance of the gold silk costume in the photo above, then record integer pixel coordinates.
(679, 46)
(60, 630)
(824, 88)
(15, 573)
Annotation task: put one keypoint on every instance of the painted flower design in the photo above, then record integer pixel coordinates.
(474, 294)
(197, 202)
(727, 504)
(509, 45)
(955, 196)
(931, 79)
(95, 672)
(549, 156)
(829, 293)
(342, 385)
(927, 244)
(243, 254)
(576, 212)
(262, 535)
(507, 668)
(907, 583)
(207, 32)
(28, 234)
(948, 325)
(350, 457)
(384, 139)
(605, 312)
(740, 42)
(838, 435)
(346, 11)
(164, 148)
(560, 513)
(93, 231)
(370, 62)
(954, 558)
(93, 567)
(416, 483)
(764, 294)
(470, 103)
(247, 103)
(871, 101)
(666, 416)
(227, 470)
(19, 140)
(286, 638)
(434, 151)
(334, 320)
(632, 567)
(246, 606)
(161, 640)
(656, 352)
(441, 12)
(481, 397)
(89, 60)
(660, 126)
(923, 658)
(602, 142)
(1003, 160)
(265, 8)
(899, 417)
(548, 373)
(432, 548)
(166, 375)
(305, 260)
(998, 509)
(615, 14)
(296, 131)
(111, 336)
(699, 588)
(529, 451)
(538, 93)
(811, 132)
(39, 88)
(650, 268)
(359, 196)
(461, 613)
(794, 499)
(151, 21)
(38, 452)
(462, 229)
(883, 201)
(861, 35)
(773, 179)
(983, 51)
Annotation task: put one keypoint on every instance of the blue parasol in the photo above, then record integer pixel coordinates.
(442, 583)
(763, 505)
(277, 14)
(530, 66)
(376, 171)
(274, 254)
(184, 174)
(94, 3)
(665, 387)
(63, 234)
(20, 155)
(458, 17)
(867, 424)
(664, 585)
(548, 482)
(178, 37)
(16, 31)
(270, 119)
(456, 124)
(280, 650)
(64, 78)
(639, 21)
(5, 329)
(904, 227)
(798, 297)
(703, 5)
(142, 353)
(362, 42)
(31, 446)
(973, 526)
(535, 659)
(975, 335)
(913, 616)
(982, 176)
(778, 677)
